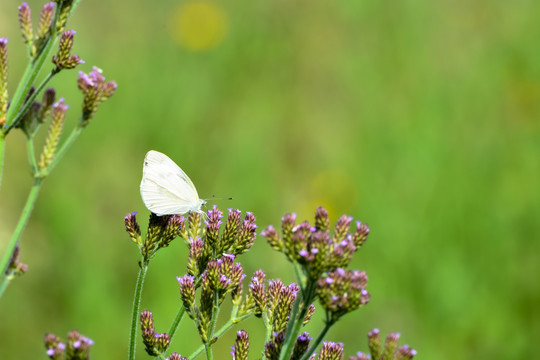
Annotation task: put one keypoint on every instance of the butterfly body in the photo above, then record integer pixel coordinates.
(165, 187)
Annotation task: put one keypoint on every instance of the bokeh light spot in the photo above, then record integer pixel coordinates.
(199, 25)
(332, 189)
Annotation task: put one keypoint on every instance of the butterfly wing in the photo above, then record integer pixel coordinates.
(165, 188)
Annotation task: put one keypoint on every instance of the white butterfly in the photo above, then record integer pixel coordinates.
(166, 189)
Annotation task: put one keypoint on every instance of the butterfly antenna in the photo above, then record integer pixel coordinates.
(215, 198)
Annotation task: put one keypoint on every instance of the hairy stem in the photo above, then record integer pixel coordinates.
(215, 312)
(300, 276)
(2, 148)
(31, 154)
(208, 349)
(136, 309)
(23, 220)
(176, 321)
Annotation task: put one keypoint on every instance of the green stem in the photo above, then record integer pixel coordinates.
(2, 150)
(197, 352)
(327, 326)
(24, 85)
(4, 284)
(268, 328)
(210, 340)
(180, 313)
(136, 309)
(296, 320)
(215, 312)
(31, 154)
(176, 321)
(208, 351)
(300, 276)
(23, 220)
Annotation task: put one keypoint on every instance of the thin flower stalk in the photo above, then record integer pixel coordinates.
(23, 220)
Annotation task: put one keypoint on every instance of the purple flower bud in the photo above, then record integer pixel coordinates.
(361, 234)
(374, 343)
(95, 91)
(359, 356)
(247, 234)
(176, 356)
(331, 351)
(322, 221)
(25, 23)
(301, 345)
(342, 228)
(45, 20)
(63, 59)
(273, 238)
(146, 320)
(241, 346)
(390, 345)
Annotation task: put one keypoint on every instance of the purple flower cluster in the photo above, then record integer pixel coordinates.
(342, 291)
(77, 347)
(314, 247)
(95, 90)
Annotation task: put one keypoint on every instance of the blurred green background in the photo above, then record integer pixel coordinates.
(419, 117)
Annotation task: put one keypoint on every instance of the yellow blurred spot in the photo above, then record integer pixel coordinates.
(199, 25)
(332, 190)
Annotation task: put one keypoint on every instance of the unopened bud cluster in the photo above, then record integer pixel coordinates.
(161, 231)
(331, 351)
(76, 347)
(272, 348)
(64, 59)
(240, 350)
(274, 301)
(38, 112)
(315, 247)
(390, 351)
(155, 344)
(221, 277)
(342, 291)
(214, 240)
(95, 90)
(15, 267)
(323, 256)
